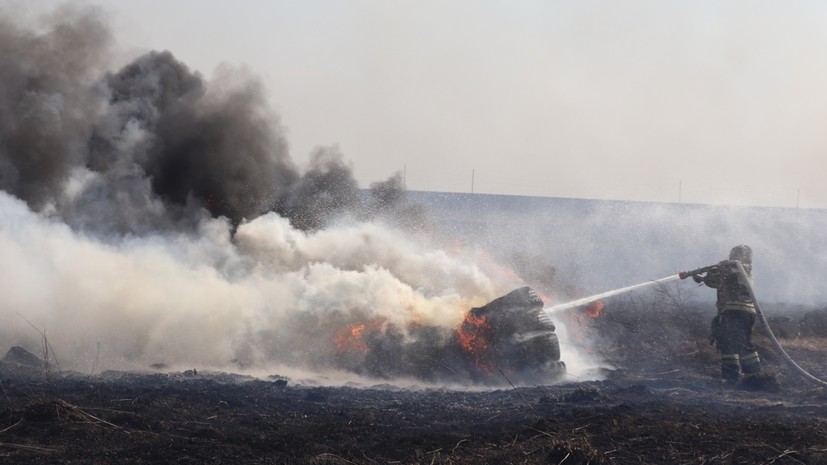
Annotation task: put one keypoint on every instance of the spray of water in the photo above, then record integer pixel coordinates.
(549, 311)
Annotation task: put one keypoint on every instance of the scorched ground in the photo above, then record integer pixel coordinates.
(660, 403)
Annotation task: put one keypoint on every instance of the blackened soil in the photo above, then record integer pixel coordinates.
(662, 404)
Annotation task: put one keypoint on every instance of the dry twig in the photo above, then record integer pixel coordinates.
(26, 447)
(455, 447)
(12, 426)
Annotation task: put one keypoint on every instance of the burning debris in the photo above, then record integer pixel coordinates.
(500, 342)
(508, 335)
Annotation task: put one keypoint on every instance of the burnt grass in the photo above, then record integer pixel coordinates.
(660, 403)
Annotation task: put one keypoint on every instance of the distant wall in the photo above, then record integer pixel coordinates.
(602, 245)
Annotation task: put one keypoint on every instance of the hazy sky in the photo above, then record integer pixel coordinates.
(698, 101)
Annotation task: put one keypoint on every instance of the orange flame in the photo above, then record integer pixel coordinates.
(472, 333)
(593, 309)
(473, 336)
(352, 337)
(579, 321)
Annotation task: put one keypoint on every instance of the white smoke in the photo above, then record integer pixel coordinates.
(274, 295)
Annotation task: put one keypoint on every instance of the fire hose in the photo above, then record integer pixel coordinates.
(763, 320)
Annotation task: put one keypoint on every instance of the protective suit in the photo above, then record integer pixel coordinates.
(732, 327)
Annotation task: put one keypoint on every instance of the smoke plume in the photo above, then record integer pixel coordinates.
(151, 146)
(48, 102)
(151, 216)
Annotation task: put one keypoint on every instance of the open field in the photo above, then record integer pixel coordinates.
(661, 403)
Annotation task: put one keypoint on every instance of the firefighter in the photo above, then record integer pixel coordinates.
(732, 327)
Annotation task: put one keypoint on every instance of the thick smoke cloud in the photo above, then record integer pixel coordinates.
(273, 298)
(48, 101)
(220, 147)
(153, 145)
(151, 216)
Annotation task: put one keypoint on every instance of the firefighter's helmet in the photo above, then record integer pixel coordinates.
(742, 253)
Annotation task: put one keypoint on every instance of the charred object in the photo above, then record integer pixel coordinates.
(18, 357)
(512, 339)
(502, 342)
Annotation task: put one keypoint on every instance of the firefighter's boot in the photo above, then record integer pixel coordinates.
(730, 368)
(751, 364)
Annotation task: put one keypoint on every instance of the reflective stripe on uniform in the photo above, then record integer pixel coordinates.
(751, 358)
(750, 363)
(730, 358)
(742, 306)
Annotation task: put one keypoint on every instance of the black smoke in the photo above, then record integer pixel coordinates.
(48, 101)
(328, 186)
(219, 148)
(388, 200)
(151, 146)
